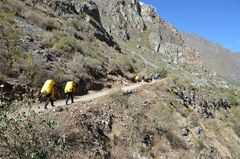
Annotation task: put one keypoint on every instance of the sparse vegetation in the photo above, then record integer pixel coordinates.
(10, 39)
(35, 18)
(23, 137)
(65, 44)
(76, 24)
(163, 72)
(50, 24)
(126, 64)
(161, 119)
(120, 99)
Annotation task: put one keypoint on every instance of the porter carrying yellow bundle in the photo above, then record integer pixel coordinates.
(48, 87)
(70, 87)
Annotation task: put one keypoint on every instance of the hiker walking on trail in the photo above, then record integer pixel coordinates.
(142, 78)
(69, 90)
(48, 92)
(156, 76)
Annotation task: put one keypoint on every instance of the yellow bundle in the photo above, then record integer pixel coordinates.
(70, 87)
(48, 87)
(137, 78)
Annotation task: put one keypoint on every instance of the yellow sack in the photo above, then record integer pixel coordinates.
(70, 87)
(48, 87)
(137, 78)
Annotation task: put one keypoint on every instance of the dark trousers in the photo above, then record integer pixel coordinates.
(68, 96)
(48, 98)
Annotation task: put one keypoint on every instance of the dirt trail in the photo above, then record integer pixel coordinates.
(39, 107)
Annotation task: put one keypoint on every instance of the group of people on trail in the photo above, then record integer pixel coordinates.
(142, 78)
(70, 87)
(48, 91)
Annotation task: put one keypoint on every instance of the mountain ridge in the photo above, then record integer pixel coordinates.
(215, 57)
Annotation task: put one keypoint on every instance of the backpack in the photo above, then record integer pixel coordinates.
(70, 87)
(48, 87)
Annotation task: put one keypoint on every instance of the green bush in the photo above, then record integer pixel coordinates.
(93, 66)
(50, 24)
(48, 38)
(15, 6)
(76, 24)
(126, 65)
(65, 44)
(163, 72)
(35, 18)
(68, 46)
(232, 99)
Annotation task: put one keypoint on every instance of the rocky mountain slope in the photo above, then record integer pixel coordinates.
(96, 43)
(67, 38)
(104, 44)
(216, 58)
(166, 119)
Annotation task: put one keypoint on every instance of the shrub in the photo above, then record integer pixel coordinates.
(163, 72)
(9, 39)
(33, 17)
(232, 99)
(25, 65)
(126, 64)
(15, 6)
(49, 38)
(50, 24)
(22, 137)
(67, 46)
(94, 67)
(76, 24)
(76, 64)
(119, 98)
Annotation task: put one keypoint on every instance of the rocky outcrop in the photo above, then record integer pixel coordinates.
(126, 19)
(86, 11)
(10, 92)
(148, 13)
(121, 18)
(204, 104)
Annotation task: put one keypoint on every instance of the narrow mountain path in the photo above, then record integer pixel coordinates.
(61, 103)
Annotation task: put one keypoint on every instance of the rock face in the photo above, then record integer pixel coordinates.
(121, 18)
(128, 20)
(10, 92)
(72, 9)
(204, 104)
